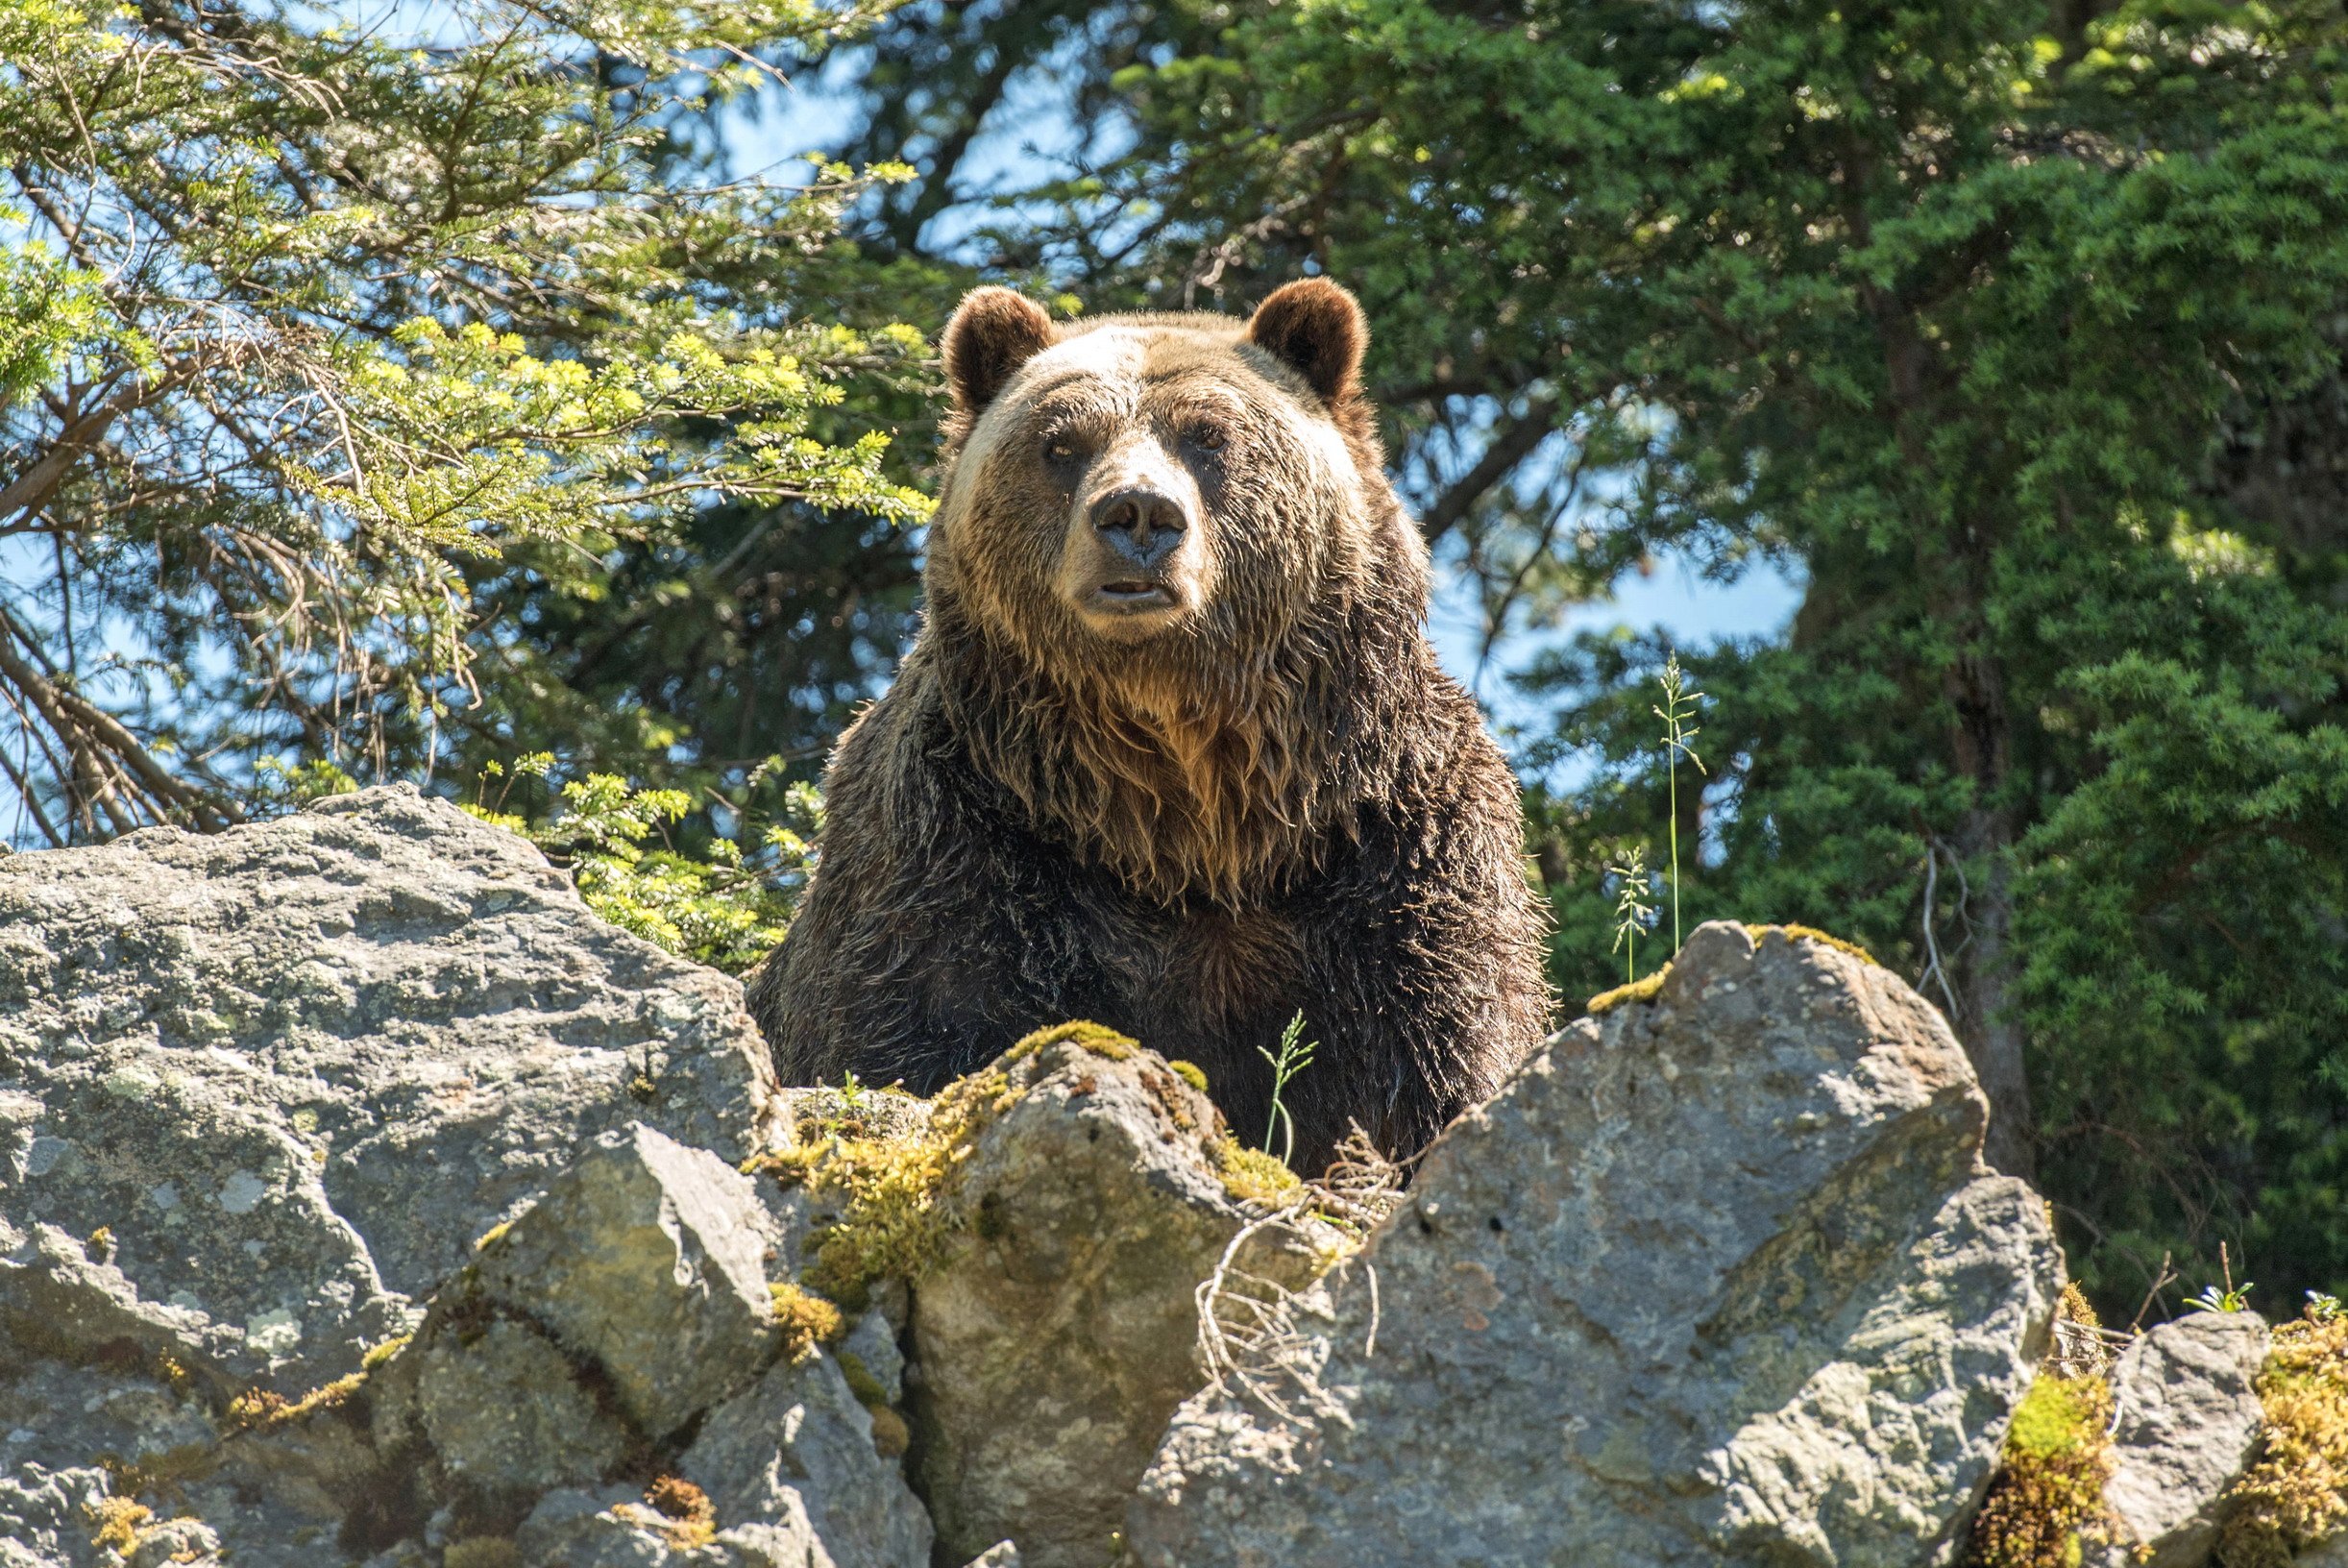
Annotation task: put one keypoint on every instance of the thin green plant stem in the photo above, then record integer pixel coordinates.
(1631, 909)
(1679, 701)
(1294, 1056)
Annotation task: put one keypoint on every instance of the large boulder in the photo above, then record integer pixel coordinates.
(260, 1096)
(1718, 1277)
(2187, 1422)
(293, 1070)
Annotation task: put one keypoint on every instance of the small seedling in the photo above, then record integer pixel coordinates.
(2232, 1299)
(1631, 909)
(1679, 705)
(2321, 1308)
(1293, 1056)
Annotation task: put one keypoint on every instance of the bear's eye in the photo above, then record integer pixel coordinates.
(1210, 438)
(1060, 447)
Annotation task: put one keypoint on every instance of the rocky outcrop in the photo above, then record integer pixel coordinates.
(2187, 1424)
(291, 1071)
(366, 1201)
(1716, 1278)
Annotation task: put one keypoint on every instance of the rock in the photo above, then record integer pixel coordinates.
(1717, 1278)
(45, 1515)
(292, 1070)
(873, 1342)
(260, 1094)
(646, 1257)
(505, 1410)
(607, 1325)
(794, 1457)
(2188, 1420)
(2328, 1553)
(1059, 1335)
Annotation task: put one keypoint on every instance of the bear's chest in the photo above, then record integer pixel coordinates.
(1219, 965)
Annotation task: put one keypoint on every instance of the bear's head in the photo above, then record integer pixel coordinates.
(1161, 493)
(1172, 598)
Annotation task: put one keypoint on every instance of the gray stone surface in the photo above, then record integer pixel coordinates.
(795, 1457)
(1001, 1554)
(874, 1344)
(294, 1069)
(2189, 1425)
(1717, 1278)
(44, 1516)
(505, 1410)
(2328, 1553)
(259, 1096)
(1054, 1342)
(650, 1259)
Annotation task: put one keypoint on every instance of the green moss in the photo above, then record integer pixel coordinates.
(891, 1435)
(1813, 934)
(1642, 990)
(899, 1198)
(1095, 1038)
(2296, 1494)
(377, 1355)
(482, 1552)
(2044, 1506)
(861, 1383)
(119, 1520)
(257, 1409)
(805, 1318)
(1189, 1073)
(1253, 1175)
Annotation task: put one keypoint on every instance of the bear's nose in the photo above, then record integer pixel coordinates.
(1141, 525)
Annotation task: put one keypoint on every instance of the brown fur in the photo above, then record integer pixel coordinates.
(1186, 797)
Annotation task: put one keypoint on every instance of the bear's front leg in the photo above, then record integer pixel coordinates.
(1424, 951)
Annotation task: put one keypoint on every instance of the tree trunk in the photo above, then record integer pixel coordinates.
(1992, 1036)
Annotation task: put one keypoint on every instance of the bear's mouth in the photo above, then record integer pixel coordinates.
(1130, 594)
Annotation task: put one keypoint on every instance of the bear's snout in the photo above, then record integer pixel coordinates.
(1133, 560)
(1141, 525)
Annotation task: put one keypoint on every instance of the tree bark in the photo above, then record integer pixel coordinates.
(1991, 1035)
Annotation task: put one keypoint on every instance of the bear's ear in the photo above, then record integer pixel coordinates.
(994, 332)
(1316, 329)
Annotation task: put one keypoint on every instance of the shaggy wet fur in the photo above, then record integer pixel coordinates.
(1267, 802)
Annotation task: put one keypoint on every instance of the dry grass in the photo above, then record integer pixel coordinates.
(1248, 1332)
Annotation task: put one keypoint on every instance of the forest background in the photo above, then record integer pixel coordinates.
(433, 394)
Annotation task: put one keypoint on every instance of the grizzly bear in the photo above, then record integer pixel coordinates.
(1170, 750)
